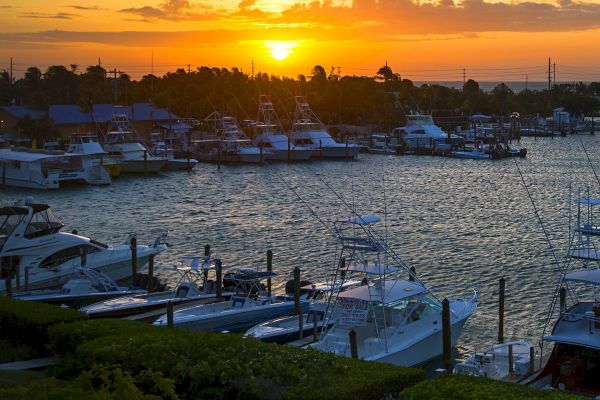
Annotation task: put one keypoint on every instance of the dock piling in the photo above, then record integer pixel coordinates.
(145, 162)
(511, 367)
(219, 271)
(501, 311)
(133, 248)
(297, 309)
(563, 299)
(289, 152)
(446, 336)
(269, 268)
(353, 344)
(315, 326)
(531, 359)
(149, 284)
(413, 274)
(170, 314)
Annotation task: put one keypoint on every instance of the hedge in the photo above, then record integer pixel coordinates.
(26, 323)
(209, 365)
(460, 387)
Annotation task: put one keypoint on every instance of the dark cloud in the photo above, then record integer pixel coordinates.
(85, 8)
(37, 15)
(174, 10)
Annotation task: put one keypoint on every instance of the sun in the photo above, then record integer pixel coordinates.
(279, 49)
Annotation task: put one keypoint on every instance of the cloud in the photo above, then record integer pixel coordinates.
(37, 15)
(85, 8)
(174, 10)
(246, 3)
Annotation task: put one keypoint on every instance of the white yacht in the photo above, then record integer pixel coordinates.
(420, 133)
(249, 305)
(395, 320)
(124, 144)
(31, 241)
(45, 169)
(268, 134)
(162, 148)
(88, 147)
(308, 131)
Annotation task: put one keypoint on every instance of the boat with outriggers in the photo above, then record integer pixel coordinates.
(388, 318)
(88, 146)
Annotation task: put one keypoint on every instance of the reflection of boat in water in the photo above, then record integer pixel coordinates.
(393, 320)
(33, 245)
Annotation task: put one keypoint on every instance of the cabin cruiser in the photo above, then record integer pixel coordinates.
(420, 133)
(161, 148)
(45, 169)
(395, 320)
(308, 131)
(123, 144)
(88, 146)
(249, 305)
(193, 285)
(86, 286)
(269, 135)
(33, 245)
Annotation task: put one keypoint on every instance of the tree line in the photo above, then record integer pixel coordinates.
(382, 99)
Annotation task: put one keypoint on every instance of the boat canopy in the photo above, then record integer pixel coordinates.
(361, 219)
(252, 276)
(394, 290)
(591, 276)
(592, 202)
(325, 287)
(13, 211)
(374, 268)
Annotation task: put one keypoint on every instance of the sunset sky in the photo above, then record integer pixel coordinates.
(421, 40)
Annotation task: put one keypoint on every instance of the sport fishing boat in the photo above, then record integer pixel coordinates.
(162, 146)
(268, 134)
(249, 305)
(420, 133)
(395, 320)
(193, 285)
(85, 287)
(88, 147)
(309, 131)
(33, 245)
(122, 143)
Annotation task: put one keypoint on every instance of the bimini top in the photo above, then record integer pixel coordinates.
(247, 276)
(394, 290)
(361, 219)
(590, 276)
(325, 287)
(373, 268)
(25, 156)
(592, 202)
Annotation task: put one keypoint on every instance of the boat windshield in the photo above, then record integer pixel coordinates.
(412, 309)
(43, 222)
(8, 222)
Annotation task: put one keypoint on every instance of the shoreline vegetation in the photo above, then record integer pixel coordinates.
(380, 100)
(118, 359)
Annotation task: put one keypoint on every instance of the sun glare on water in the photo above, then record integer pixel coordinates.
(280, 50)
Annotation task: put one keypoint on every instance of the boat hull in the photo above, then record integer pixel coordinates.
(338, 152)
(294, 155)
(180, 164)
(151, 166)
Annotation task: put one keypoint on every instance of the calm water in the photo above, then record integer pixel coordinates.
(460, 223)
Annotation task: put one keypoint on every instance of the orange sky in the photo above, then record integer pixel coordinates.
(421, 40)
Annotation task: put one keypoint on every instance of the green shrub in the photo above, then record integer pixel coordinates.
(26, 323)
(459, 387)
(11, 352)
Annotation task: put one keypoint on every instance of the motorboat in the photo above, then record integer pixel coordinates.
(193, 285)
(382, 143)
(269, 135)
(394, 320)
(421, 133)
(88, 147)
(47, 169)
(33, 245)
(122, 143)
(473, 153)
(499, 361)
(309, 131)
(287, 329)
(250, 304)
(162, 149)
(86, 286)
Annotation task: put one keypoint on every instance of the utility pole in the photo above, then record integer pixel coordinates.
(115, 82)
(549, 76)
(11, 70)
(554, 76)
(526, 82)
(252, 69)
(189, 69)
(99, 63)
(339, 71)
(464, 76)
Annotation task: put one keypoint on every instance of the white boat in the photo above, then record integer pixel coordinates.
(270, 136)
(162, 149)
(308, 131)
(286, 329)
(249, 305)
(45, 169)
(495, 362)
(473, 153)
(395, 320)
(31, 239)
(85, 287)
(420, 133)
(381, 143)
(124, 144)
(193, 285)
(88, 147)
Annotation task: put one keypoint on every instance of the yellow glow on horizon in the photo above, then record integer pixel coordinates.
(280, 49)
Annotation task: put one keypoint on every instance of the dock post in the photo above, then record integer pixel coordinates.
(501, 311)
(261, 154)
(289, 152)
(347, 157)
(83, 257)
(207, 250)
(170, 314)
(269, 268)
(413, 274)
(219, 271)
(592, 128)
(145, 162)
(353, 344)
(563, 299)
(531, 359)
(27, 278)
(315, 326)
(133, 248)
(150, 285)
(446, 336)
(511, 367)
(320, 149)
(297, 309)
